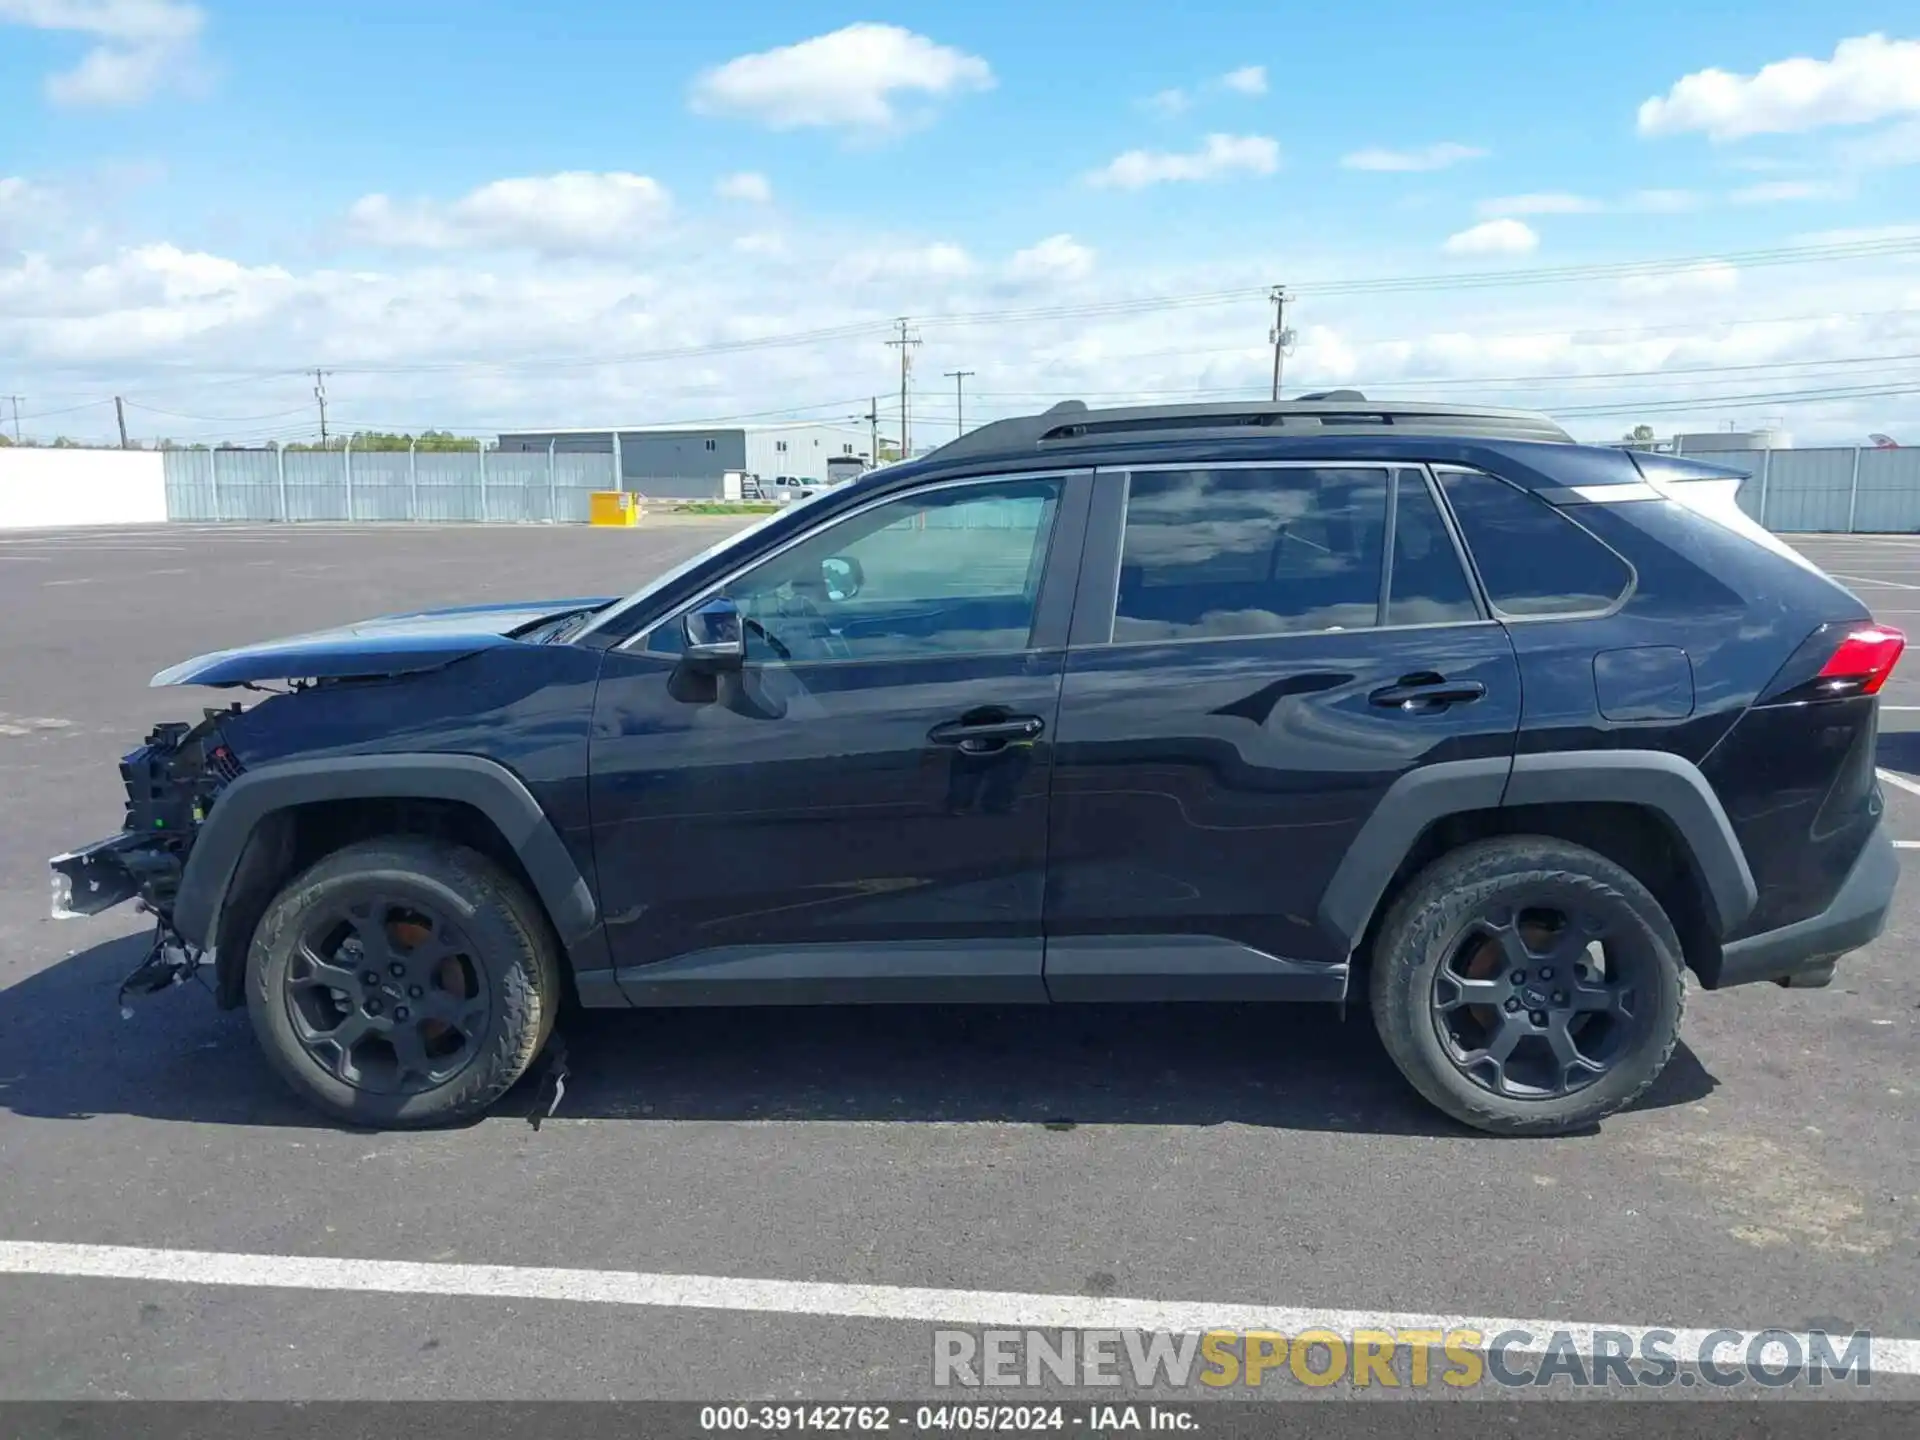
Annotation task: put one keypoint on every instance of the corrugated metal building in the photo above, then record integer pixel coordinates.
(688, 463)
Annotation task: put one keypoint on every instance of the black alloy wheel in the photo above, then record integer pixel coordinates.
(385, 995)
(1538, 1001)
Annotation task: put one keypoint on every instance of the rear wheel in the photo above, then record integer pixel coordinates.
(402, 982)
(1528, 986)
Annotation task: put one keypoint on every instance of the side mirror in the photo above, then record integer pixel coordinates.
(841, 577)
(715, 638)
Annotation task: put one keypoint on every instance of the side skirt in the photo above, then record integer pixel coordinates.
(1130, 969)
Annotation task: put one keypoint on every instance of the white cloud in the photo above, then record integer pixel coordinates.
(761, 242)
(940, 260)
(1713, 277)
(574, 212)
(1869, 78)
(851, 78)
(1884, 149)
(746, 185)
(1247, 80)
(1058, 257)
(1438, 156)
(1542, 203)
(143, 46)
(1171, 102)
(1773, 192)
(489, 340)
(1662, 202)
(1494, 237)
(1220, 156)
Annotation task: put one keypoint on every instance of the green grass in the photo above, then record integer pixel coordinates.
(722, 507)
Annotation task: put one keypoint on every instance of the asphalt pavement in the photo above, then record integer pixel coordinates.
(1232, 1156)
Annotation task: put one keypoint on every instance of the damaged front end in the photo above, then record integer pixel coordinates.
(172, 781)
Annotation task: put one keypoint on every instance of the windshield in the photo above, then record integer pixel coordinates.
(662, 581)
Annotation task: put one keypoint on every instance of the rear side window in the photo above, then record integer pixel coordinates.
(1211, 553)
(1533, 560)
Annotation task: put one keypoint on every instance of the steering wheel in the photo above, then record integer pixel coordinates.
(815, 635)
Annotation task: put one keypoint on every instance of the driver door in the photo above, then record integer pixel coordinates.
(860, 811)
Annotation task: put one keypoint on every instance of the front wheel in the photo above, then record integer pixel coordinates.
(1528, 986)
(402, 982)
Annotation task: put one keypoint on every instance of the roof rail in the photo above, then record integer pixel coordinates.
(1070, 424)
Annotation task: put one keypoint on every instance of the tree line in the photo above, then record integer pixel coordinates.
(426, 440)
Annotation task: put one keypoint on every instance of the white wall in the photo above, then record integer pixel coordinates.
(41, 487)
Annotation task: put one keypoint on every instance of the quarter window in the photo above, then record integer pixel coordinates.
(1211, 553)
(1534, 561)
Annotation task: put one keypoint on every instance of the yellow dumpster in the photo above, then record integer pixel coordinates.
(613, 507)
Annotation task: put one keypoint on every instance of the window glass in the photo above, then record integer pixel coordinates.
(1532, 559)
(1250, 552)
(1429, 585)
(945, 572)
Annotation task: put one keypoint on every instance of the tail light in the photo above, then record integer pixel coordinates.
(1842, 660)
(1862, 662)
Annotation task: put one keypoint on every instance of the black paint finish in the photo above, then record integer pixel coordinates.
(1212, 787)
(1647, 682)
(1200, 818)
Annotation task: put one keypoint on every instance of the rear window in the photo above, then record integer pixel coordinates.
(1533, 560)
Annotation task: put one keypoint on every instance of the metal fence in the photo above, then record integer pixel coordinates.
(1791, 491)
(1863, 491)
(350, 485)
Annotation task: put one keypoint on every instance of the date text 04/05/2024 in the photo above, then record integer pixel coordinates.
(943, 1418)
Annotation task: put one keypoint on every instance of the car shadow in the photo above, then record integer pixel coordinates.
(65, 1053)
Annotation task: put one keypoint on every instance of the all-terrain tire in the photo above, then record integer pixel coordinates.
(1419, 935)
(507, 936)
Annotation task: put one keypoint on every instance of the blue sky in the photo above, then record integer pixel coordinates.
(196, 197)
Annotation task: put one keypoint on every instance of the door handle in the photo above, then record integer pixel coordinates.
(986, 734)
(1427, 693)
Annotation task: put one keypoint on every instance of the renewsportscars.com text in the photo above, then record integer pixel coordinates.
(1460, 1359)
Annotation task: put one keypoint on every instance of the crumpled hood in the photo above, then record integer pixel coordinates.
(384, 645)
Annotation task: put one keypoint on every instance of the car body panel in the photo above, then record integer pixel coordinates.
(383, 645)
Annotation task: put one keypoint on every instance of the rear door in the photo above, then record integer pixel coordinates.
(1259, 651)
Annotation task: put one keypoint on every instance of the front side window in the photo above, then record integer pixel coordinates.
(949, 571)
(1534, 561)
(1215, 553)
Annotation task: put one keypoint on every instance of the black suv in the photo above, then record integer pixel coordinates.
(1319, 700)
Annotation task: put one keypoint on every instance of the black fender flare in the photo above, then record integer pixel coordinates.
(488, 786)
(1669, 785)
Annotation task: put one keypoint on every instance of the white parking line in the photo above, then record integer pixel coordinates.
(1899, 782)
(1870, 580)
(995, 1308)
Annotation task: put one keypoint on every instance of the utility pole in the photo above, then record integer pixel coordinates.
(959, 378)
(320, 394)
(120, 414)
(906, 342)
(873, 427)
(1281, 336)
(16, 399)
